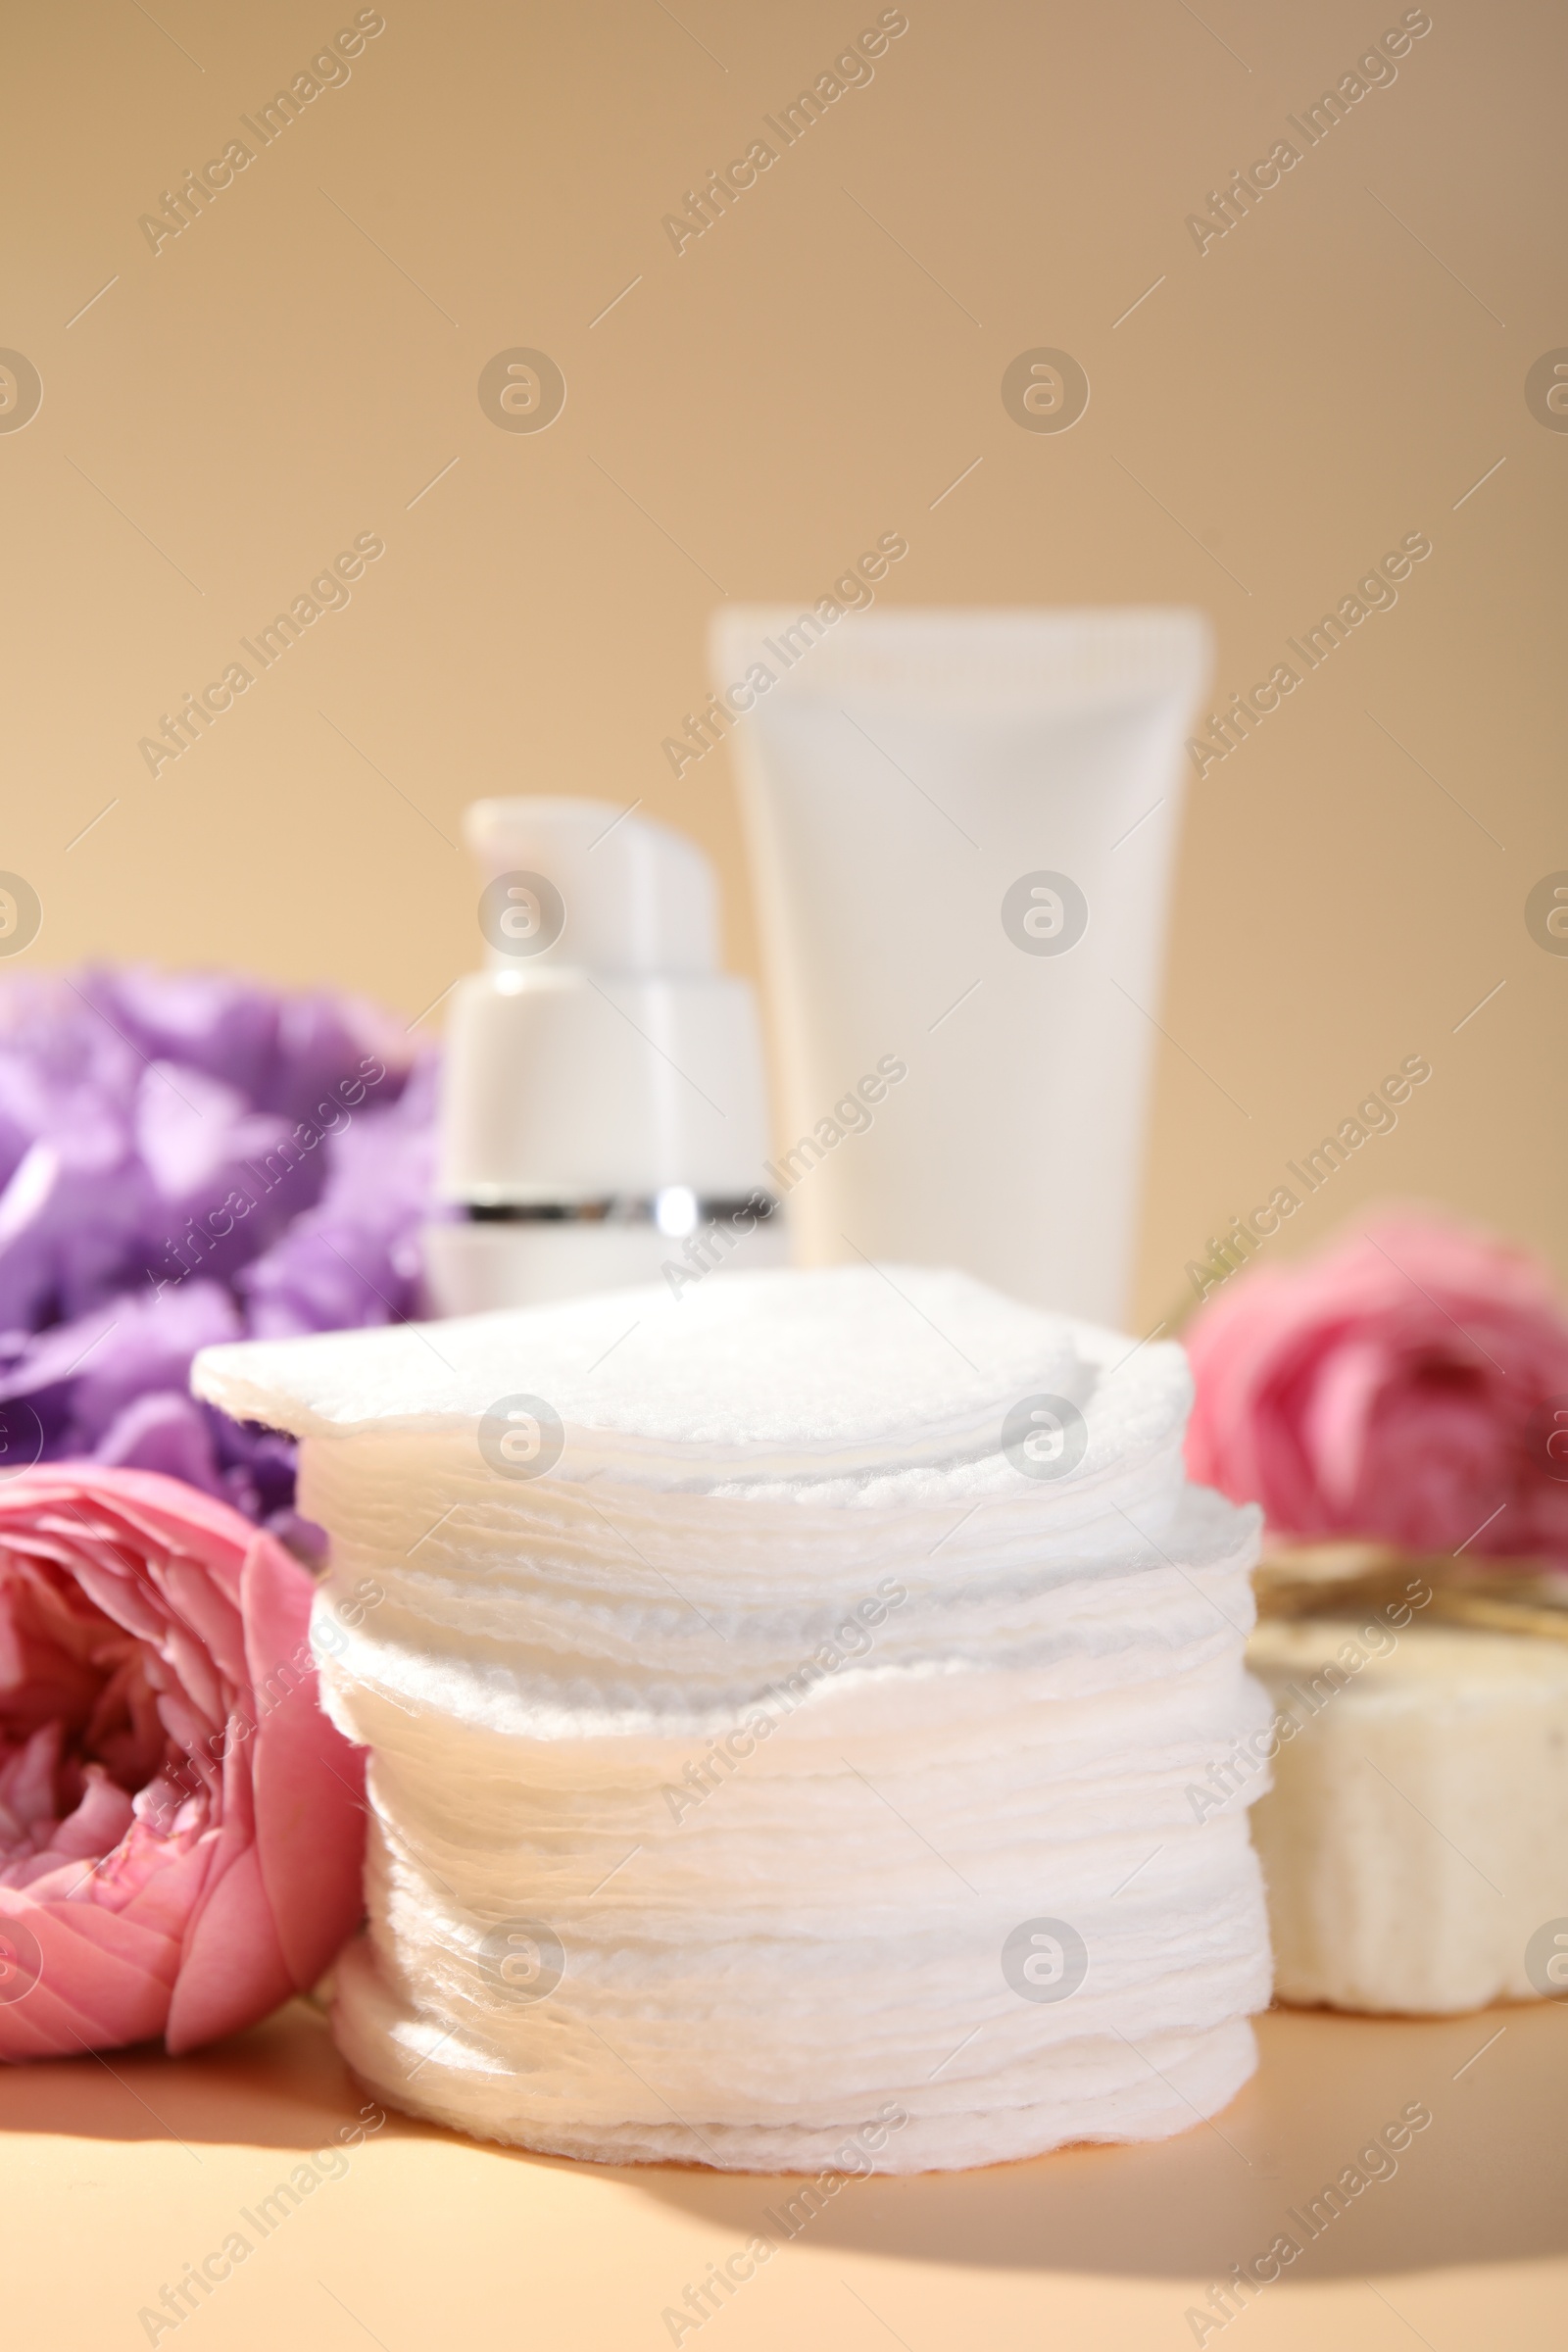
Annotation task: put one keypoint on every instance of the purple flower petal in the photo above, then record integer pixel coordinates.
(187, 1158)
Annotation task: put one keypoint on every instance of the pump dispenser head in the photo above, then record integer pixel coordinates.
(602, 1096)
(622, 894)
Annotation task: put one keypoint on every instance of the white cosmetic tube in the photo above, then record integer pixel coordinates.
(961, 828)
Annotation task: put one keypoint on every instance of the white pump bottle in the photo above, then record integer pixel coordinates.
(603, 1115)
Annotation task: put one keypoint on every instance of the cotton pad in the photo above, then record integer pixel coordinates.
(783, 1704)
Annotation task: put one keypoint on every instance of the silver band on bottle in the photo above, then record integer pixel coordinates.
(675, 1209)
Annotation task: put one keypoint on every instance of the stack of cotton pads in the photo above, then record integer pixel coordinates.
(785, 1706)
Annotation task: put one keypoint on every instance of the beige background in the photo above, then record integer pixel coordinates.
(303, 361)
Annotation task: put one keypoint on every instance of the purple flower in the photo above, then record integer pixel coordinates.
(187, 1158)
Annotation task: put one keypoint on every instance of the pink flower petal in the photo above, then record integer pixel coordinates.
(1399, 1386)
(309, 1783)
(181, 1827)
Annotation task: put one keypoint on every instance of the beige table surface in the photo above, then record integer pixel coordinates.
(121, 2173)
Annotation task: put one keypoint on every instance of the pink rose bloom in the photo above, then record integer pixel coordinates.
(1410, 1385)
(180, 1827)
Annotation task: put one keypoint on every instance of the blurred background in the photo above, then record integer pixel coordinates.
(197, 416)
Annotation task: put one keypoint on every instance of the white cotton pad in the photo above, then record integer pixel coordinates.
(783, 1705)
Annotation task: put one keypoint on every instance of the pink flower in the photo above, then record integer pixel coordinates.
(1410, 1385)
(180, 1827)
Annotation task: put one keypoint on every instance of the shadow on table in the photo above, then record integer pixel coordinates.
(1486, 2181)
(280, 2085)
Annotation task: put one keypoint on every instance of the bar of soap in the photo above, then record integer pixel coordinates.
(781, 1704)
(1415, 1841)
